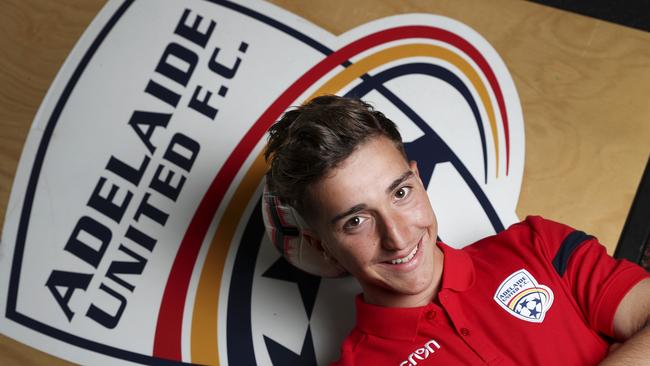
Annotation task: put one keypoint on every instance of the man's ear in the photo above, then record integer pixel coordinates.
(315, 242)
(414, 167)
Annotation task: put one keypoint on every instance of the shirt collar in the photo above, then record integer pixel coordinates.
(402, 323)
(458, 269)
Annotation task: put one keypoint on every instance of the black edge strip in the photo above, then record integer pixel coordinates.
(633, 14)
(636, 231)
(569, 245)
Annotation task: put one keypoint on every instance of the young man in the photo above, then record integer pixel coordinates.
(539, 293)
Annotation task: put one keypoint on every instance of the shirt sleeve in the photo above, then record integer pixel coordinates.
(597, 281)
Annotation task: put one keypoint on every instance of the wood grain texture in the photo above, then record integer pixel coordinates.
(37, 36)
(583, 85)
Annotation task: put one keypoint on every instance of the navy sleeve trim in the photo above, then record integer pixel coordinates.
(569, 245)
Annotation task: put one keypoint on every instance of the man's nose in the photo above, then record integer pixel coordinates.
(396, 232)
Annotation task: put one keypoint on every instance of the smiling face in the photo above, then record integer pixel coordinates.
(372, 215)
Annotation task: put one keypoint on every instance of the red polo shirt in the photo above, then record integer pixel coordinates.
(539, 293)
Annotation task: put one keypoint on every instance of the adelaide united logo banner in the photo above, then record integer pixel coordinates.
(134, 232)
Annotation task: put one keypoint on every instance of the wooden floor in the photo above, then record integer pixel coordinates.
(583, 83)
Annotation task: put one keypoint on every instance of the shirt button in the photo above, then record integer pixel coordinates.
(430, 315)
(464, 332)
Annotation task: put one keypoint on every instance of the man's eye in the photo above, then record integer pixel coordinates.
(402, 192)
(354, 222)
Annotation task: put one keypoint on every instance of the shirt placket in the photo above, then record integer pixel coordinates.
(473, 337)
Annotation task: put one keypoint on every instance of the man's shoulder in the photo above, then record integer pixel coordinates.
(354, 349)
(353, 340)
(534, 233)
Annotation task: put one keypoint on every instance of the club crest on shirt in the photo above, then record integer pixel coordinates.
(523, 297)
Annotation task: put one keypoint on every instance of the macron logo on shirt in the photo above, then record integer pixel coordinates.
(421, 353)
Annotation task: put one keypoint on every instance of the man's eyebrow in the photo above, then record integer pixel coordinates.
(353, 209)
(398, 181)
(363, 206)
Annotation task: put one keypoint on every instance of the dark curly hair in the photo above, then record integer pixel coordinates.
(310, 140)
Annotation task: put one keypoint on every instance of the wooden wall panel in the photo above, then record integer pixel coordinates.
(583, 85)
(36, 37)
